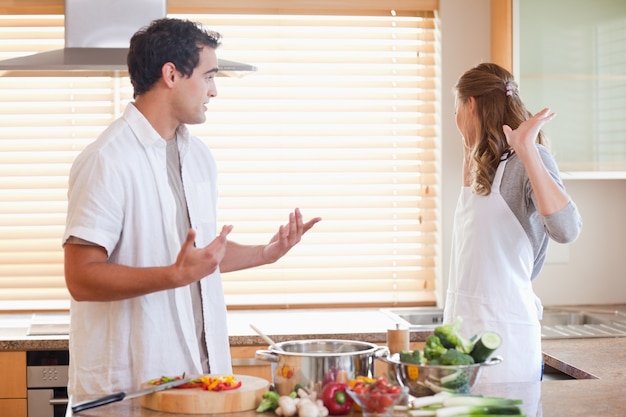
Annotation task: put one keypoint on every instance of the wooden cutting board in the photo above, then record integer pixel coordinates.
(199, 401)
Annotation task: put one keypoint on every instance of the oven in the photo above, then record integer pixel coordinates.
(46, 382)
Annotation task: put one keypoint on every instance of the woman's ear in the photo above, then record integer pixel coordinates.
(471, 104)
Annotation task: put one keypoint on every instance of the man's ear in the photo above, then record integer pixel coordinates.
(168, 72)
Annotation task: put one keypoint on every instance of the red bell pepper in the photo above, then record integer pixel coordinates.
(336, 399)
(222, 386)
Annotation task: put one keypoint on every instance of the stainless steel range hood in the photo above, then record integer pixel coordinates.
(97, 34)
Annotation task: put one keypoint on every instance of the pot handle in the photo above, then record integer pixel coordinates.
(266, 355)
(381, 352)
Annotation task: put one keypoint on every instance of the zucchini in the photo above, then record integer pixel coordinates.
(485, 345)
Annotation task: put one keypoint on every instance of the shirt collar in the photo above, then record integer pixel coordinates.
(147, 135)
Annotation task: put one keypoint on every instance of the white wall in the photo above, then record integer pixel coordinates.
(588, 271)
(464, 44)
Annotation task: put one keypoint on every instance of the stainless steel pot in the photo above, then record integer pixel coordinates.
(312, 363)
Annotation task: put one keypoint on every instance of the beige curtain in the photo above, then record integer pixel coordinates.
(340, 120)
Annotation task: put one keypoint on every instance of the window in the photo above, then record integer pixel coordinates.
(339, 120)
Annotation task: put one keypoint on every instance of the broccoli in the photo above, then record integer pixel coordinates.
(414, 357)
(450, 336)
(433, 348)
(269, 402)
(455, 357)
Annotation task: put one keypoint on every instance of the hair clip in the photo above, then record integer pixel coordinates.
(510, 89)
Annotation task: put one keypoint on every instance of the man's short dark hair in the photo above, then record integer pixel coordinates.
(166, 40)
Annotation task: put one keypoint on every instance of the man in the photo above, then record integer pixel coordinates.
(142, 259)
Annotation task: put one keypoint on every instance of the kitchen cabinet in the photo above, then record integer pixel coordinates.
(13, 384)
(571, 58)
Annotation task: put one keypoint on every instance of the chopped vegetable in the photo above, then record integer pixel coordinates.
(485, 345)
(414, 357)
(166, 379)
(450, 336)
(433, 349)
(196, 383)
(206, 382)
(335, 398)
(269, 402)
(222, 383)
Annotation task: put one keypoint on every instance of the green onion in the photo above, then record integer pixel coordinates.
(430, 400)
(464, 405)
(490, 415)
(467, 400)
(421, 413)
(474, 410)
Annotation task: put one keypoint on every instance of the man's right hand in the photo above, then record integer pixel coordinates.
(90, 277)
(193, 263)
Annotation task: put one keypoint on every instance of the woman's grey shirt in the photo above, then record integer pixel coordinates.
(563, 226)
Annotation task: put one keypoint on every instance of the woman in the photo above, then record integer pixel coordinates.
(512, 202)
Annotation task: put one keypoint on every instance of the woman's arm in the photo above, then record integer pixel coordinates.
(549, 196)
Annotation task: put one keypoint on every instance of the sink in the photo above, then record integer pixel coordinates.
(565, 318)
(557, 324)
(553, 374)
(416, 318)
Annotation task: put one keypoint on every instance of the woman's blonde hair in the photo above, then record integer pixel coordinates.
(497, 104)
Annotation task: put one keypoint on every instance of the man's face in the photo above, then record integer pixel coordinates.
(195, 92)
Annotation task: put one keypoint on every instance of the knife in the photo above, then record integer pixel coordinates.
(119, 396)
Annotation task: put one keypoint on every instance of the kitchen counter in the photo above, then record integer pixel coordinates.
(281, 325)
(603, 359)
(546, 399)
(600, 361)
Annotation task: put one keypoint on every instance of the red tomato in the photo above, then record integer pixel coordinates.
(380, 394)
(392, 389)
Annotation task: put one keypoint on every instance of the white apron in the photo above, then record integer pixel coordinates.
(490, 287)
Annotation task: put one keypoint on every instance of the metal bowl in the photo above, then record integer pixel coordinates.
(313, 363)
(423, 380)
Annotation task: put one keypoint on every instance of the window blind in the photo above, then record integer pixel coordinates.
(340, 120)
